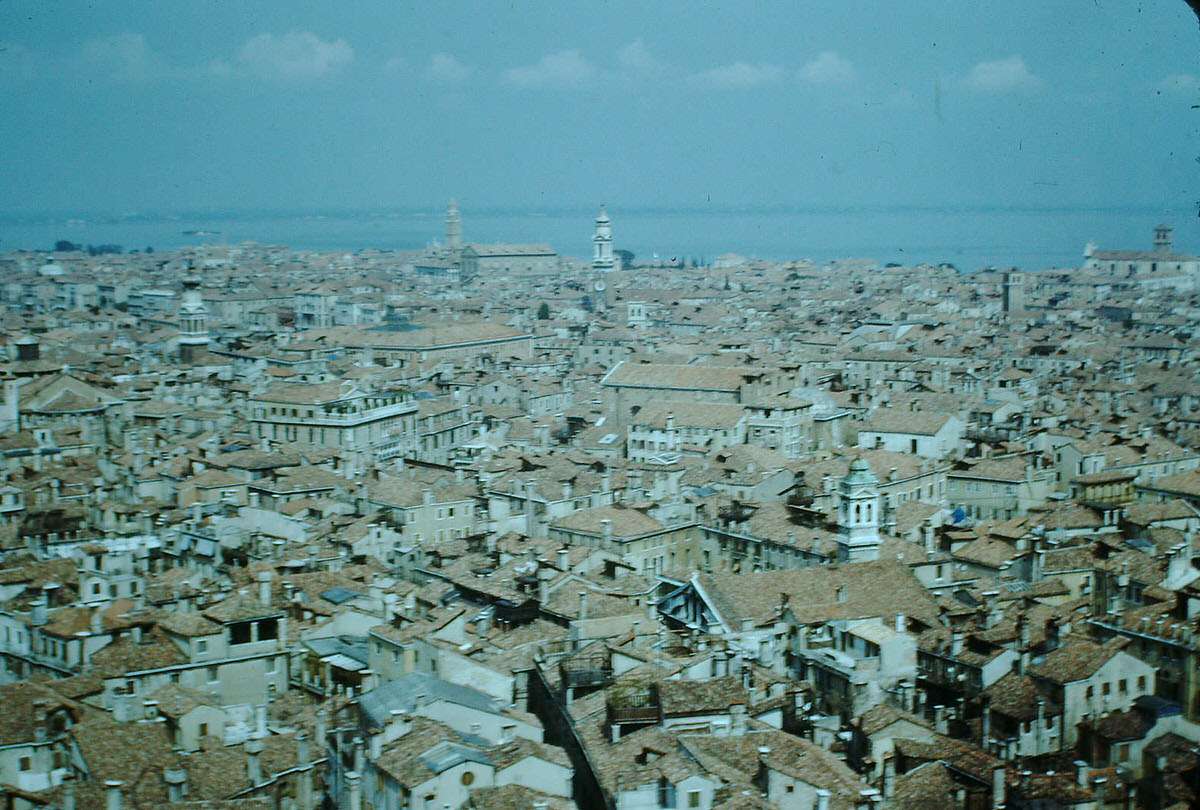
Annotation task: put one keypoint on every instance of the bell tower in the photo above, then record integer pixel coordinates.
(453, 227)
(1162, 239)
(193, 322)
(858, 514)
(602, 247)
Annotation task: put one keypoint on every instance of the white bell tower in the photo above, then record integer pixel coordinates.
(193, 322)
(453, 227)
(602, 247)
(859, 513)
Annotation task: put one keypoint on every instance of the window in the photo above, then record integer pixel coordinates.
(271, 665)
(211, 673)
(467, 777)
(1141, 683)
(202, 646)
(204, 729)
(694, 797)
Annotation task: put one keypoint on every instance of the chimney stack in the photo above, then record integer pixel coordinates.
(112, 794)
(254, 747)
(176, 779)
(264, 587)
(302, 752)
(353, 791)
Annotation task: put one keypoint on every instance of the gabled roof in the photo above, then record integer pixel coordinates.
(404, 692)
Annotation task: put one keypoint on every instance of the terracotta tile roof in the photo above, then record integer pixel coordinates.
(238, 607)
(515, 797)
(683, 697)
(175, 701)
(134, 753)
(188, 624)
(928, 785)
(1016, 696)
(625, 522)
(1078, 658)
(126, 655)
(664, 376)
(737, 757)
(880, 588)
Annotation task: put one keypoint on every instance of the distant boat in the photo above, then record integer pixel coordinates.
(201, 233)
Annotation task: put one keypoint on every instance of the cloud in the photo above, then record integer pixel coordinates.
(294, 56)
(636, 58)
(740, 74)
(1185, 84)
(446, 69)
(120, 57)
(561, 69)
(1001, 76)
(827, 68)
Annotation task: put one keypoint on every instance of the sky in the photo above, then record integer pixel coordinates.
(152, 107)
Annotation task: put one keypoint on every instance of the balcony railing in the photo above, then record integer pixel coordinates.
(593, 676)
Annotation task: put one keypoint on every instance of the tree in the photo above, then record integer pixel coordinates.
(63, 246)
(544, 312)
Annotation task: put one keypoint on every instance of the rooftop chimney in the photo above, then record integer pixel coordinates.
(264, 587)
(112, 794)
(353, 791)
(254, 747)
(302, 752)
(176, 779)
